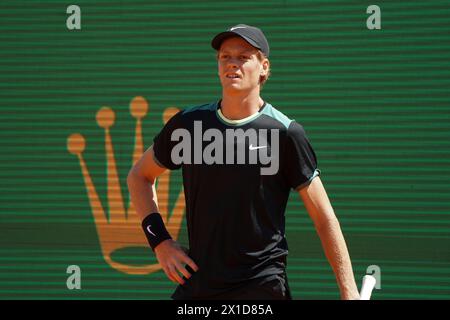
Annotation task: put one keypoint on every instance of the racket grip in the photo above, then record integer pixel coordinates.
(368, 283)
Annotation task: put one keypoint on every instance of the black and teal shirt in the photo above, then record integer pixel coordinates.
(235, 212)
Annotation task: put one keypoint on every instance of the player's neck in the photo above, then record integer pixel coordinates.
(237, 107)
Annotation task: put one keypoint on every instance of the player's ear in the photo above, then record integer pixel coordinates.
(265, 64)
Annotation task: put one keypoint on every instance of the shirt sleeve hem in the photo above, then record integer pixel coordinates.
(157, 161)
(306, 183)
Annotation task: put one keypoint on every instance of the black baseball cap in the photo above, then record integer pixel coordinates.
(252, 35)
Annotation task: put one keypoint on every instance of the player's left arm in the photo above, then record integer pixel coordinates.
(328, 228)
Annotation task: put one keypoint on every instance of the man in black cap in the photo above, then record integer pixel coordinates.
(240, 158)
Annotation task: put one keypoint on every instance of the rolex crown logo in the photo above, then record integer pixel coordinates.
(123, 228)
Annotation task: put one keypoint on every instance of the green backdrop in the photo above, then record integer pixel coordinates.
(375, 105)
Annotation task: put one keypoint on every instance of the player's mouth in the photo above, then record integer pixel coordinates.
(233, 76)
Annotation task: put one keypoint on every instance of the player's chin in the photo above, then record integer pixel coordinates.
(235, 90)
(232, 86)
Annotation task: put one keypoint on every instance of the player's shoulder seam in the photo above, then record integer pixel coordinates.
(277, 115)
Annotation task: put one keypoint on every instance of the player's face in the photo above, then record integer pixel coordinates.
(239, 67)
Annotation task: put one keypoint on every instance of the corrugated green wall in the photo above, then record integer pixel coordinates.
(375, 104)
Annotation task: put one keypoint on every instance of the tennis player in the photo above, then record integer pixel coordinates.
(240, 158)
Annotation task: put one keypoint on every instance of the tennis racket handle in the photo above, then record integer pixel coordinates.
(368, 283)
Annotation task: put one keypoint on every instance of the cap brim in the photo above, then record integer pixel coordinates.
(217, 41)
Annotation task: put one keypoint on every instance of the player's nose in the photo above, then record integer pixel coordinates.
(232, 63)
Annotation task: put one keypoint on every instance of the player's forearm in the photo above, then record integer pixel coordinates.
(337, 254)
(143, 195)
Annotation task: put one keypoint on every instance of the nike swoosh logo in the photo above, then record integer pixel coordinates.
(237, 28)
(255, 148)
(150, 231)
